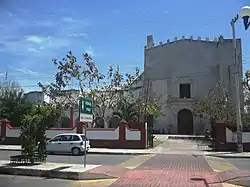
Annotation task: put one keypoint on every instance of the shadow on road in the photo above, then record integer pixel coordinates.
(201, 179)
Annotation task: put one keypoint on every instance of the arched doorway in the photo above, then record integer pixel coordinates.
(185, 122)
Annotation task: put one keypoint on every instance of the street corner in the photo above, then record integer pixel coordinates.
(113, 172)
(235, 177)
(94, 183)
(219, 164)
(136, 161)
(228, 174)
(108, 171)
(231, 185)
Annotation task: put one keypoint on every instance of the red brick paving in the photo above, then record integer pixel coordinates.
(171, 171)
(180, 162)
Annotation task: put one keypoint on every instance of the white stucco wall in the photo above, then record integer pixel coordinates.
(232, 136)
(15, 132)
(133, 135)
(103, 134)
(91, 134)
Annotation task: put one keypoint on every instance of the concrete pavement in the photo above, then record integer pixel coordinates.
(51, 170)
(240, 163)
(169, 146)
(150, 170)
(92, 175)
(228, 172)
(25, 181)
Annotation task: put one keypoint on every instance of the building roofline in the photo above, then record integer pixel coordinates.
(190, 39)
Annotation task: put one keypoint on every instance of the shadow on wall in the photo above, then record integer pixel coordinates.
(114, 121)
(65, 122)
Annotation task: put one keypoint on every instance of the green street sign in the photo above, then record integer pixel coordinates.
(85, 109)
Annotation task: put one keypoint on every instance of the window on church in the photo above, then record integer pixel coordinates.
(185, 91)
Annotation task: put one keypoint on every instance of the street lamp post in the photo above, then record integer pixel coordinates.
(244, 13)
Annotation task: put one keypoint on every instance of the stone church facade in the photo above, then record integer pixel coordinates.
(185, 69)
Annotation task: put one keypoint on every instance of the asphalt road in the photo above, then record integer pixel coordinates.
(23, 181)
(240, 163)
(94, 159)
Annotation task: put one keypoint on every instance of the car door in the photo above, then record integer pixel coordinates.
(66, 143)
(76, 141)
(53, 144)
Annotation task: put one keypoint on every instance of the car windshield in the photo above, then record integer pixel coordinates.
(83, 137)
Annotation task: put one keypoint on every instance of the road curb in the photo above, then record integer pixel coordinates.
(229, 156)
(96, 152)
(185, 138)
(120, 153)
(52, 174)
(10, 149)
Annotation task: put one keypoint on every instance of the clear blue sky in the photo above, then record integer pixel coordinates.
(112, 31)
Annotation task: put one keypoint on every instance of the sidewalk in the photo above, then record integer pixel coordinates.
(52, 170)
(227, 154)
(91, 151)
(157, 150)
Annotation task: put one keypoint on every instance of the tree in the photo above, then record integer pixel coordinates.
(115, 93)
(217, 106)
(13, 103)
(34, 126)
(246, 94)
(246, 81)
(86, 76)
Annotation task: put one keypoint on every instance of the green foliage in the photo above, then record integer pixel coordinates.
(34, 127)
(217, 106)
(246, 92)
(13, 104)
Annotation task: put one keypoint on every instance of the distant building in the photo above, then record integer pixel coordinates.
(71, 114)
(185, 69)
(37, 97)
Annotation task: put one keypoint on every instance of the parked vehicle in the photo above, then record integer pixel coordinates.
(68, 143)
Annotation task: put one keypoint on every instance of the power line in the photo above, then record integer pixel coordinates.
(196, 74)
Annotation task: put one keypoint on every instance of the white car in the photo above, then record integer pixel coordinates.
(68, 143)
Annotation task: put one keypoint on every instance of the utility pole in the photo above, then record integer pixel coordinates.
(6, 76)
(145, 120)
(237, 88)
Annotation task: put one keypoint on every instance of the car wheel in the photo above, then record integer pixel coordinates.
(76, 151)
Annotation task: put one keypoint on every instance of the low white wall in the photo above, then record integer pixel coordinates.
(51, 133)
(91, 134)
(229, 135)
(232, 136)
(13, 132)
(133, 135)
(103, 134)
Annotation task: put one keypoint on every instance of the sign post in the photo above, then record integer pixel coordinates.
(85, 115)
